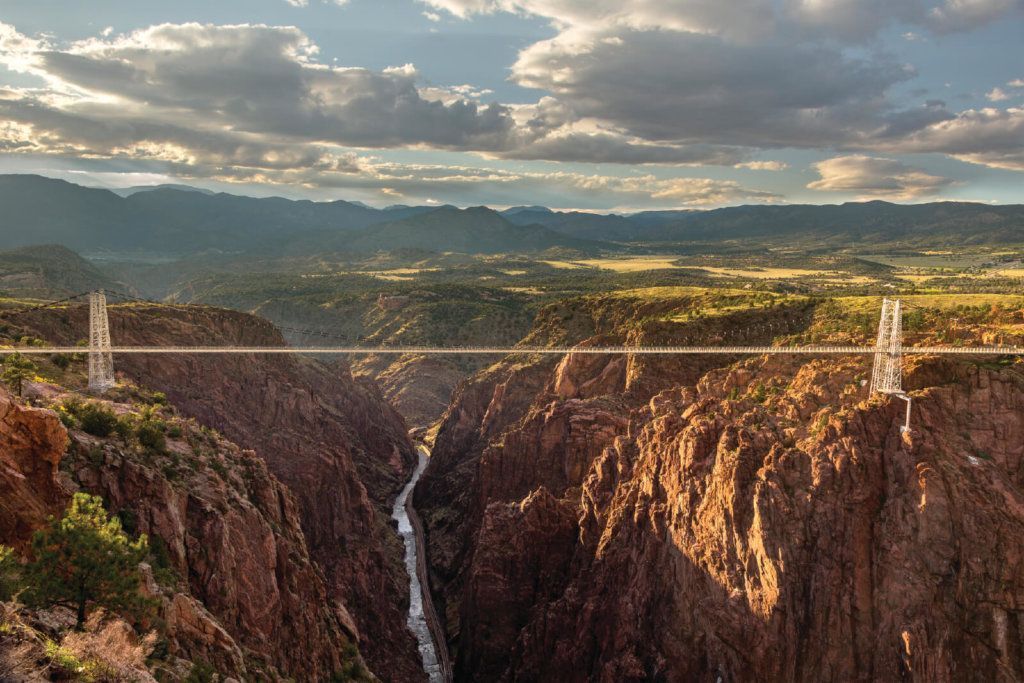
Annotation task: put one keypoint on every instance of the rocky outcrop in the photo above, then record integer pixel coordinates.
(419, 387)
(329, 437)
(231, 535)
(760, 519)
(235, 586)
(32, 442)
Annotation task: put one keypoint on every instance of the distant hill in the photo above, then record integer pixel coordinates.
(939, 223)
(165, 220)
(590, 226)
(476, 230)
(135, 189)
(513, 210)
(171, 221)
(49, 271)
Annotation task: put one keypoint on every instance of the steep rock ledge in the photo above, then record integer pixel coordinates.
(238, 589)
(329, 437)
(760, 519)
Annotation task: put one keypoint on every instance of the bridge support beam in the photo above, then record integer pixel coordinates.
(887, 374)
(101, 361)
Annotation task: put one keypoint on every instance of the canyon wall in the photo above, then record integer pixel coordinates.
(610, 519)
(234, 585)
(329, 437)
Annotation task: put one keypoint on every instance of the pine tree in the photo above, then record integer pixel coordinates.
(17, 369)
(86, 560)
(10, 573)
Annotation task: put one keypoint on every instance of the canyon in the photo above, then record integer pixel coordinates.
(326, 437)
(585, 517)
(610, 519)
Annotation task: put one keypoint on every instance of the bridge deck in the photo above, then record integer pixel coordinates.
(553, 350)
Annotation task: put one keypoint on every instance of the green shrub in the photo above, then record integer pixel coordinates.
(67, 419)
(174, 431)
(351, 668)
(150, 434)
(124, 428)
(61, 360)
(10, 573)
(97, 419)
(64, 663)
(164, 571)
(201, 672)
(217, 466)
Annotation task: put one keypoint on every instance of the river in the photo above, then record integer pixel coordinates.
(417, 619)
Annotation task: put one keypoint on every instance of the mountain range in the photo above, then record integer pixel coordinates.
(179, 220)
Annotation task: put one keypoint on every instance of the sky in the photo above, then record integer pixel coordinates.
(598, 105)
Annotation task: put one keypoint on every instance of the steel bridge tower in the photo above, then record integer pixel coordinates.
(101, 361)
(887, 374)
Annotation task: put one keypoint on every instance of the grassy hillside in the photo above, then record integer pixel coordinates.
(48, 271)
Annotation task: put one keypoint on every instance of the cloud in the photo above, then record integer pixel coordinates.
(764, 165)
(739, 18)
(263, 80)
(305, 3)
(851, 20)
(41, 127)
(1016, 83)
(671, 77)
(693, 87)
(960, 15)
(179, 83)
(874, 177)
(997, 95)
(606, 148)
(252, 104)
(991, 137)
(650, 82)
(497, 186)
(465, 185)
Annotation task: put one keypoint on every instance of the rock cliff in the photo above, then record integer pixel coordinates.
(32, 442)
(726, 519)
(233, 583)
(329, 437)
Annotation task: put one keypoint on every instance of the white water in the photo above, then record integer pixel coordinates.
(417, 621)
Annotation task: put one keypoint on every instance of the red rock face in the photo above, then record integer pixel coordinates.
(232, 534)
(330, 438)
(759, 520)
(32, 442)
(246, 590)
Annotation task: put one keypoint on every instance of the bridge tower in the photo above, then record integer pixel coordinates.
(101, 361)
(887, 374)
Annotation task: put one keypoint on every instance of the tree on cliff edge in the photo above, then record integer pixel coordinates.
(84, 560)
(9, 574)
(17, 369)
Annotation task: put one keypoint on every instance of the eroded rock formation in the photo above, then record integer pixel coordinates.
(32, 442)
(236, 586)
(715, 518)
(330, 438)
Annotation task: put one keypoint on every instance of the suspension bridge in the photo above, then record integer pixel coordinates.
(886, 376)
